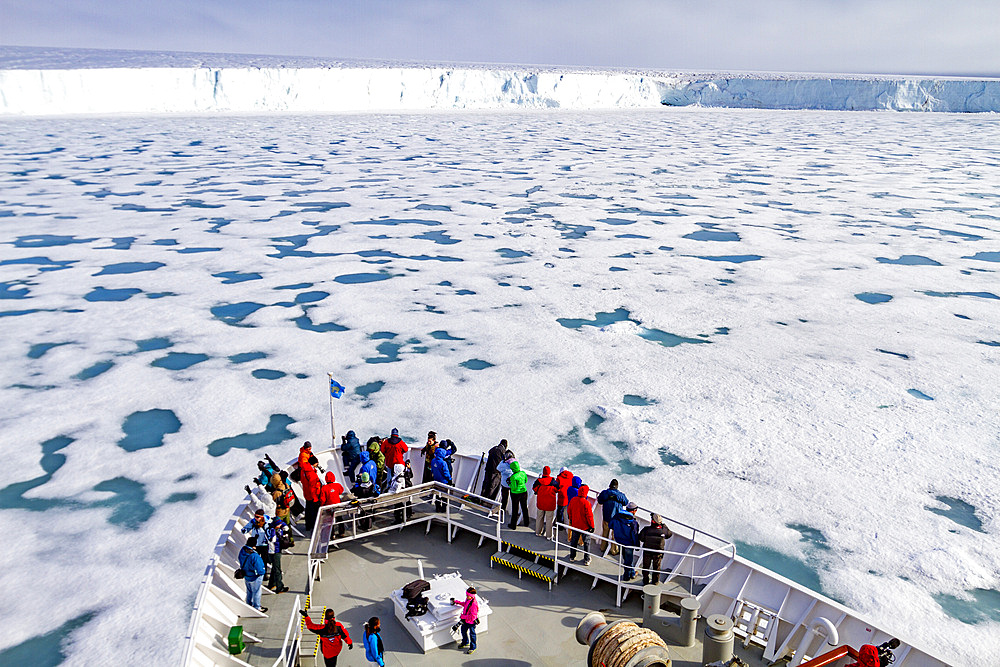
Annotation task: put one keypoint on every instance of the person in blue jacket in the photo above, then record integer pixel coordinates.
(368, 466)
(626, 530)
(253, 572)
(350, 453)
(611, 501)
(441, 472)
(374, 649)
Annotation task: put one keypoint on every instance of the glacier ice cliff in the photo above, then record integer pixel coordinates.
(241, 89)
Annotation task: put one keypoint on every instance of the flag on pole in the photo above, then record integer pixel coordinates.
(336, 389)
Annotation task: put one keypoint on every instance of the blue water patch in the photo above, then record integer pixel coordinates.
(15, 313)
(47, 650)
(267, 374)
(733, 259)
(129, 267)
(617, 268)
(985, 256)
(310, 297)
(145, 429)
(573, 231)
(476, 364)
(784, 565)
(432, 207)
(38, 350)
(304, 321)
(178, 361)
(150, 344)
(320, 206)
(441, 238)
(366, 390)
(667, 339)
(670, 459)
(895, 354)
(991, 343)
(617, 221)
(231, 277)
(233, 314)
(811, 536)
(356, 278)
(916, 393)
(630, 467)
(587, 380)
(274, 433)
(443, 335)
(129, 506)
(958, 511)
(244, 357)
(94, 370)
(586, 458)
(978, 295)
(46, 241)
(9, 291)
(983, 607)
(909, 260)
(510, 253)
(873, 297)
(398, 221)
(633, 399)
(600, 319)
(389, 353)
(12, 496)
(103, 294)
(193, 251)
(47, 264)
(383, 335)
(628, 236)
(181, 497)
(712, 235)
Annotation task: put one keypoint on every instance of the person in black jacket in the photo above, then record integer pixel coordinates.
(491, 476)
(653, 539)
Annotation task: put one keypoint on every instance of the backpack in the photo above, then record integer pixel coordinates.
(287, 499)
(413, 589)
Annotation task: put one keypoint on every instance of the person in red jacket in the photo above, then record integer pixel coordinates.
(312, 489)
(332, 636)
(581, 517)
(546, 489)
(330, 495)
(867, 657)
(394, 450)
(565, 480)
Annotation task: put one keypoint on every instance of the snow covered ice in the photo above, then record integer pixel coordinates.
(781, 327)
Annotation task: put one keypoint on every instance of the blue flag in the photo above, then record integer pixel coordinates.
(336, 389)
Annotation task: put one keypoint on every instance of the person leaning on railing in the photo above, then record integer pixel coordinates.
(611, 501)
(518, 495)
(581, 518)
(441, 472)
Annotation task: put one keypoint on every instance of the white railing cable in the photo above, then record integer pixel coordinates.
(287, 655)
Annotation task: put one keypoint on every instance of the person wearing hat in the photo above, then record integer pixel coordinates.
(626, 532)
(468, 618)
(332, 635)
(653, 539)
(611, 501)
(394, 450)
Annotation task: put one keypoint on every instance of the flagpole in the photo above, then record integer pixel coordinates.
(333, 430)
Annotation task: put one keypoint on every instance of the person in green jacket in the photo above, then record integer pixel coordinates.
(518, 495)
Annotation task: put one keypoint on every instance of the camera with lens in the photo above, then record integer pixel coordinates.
(885, 652)
(456, 627)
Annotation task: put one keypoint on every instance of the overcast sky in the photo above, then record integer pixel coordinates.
(873, 36)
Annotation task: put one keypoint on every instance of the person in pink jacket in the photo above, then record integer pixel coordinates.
(469, 618)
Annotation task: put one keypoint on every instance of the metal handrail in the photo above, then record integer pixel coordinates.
(288, 658)
(638, 551)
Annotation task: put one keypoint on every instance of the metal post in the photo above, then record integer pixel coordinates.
(448, 516)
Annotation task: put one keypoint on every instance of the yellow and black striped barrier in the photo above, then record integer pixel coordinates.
(536, 555)
(524, 567)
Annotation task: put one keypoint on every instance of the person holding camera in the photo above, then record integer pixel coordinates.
(468, 619)
(332, 636)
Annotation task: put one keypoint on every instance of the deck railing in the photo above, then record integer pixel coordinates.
(424, 503)
(293, 638)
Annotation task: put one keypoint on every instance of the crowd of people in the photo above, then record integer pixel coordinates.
(383, 466)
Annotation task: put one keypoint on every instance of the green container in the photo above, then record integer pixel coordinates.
(236, 645)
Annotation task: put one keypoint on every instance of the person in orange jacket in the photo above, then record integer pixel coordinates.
(305, 451)
(565, 480)
(332, 636)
